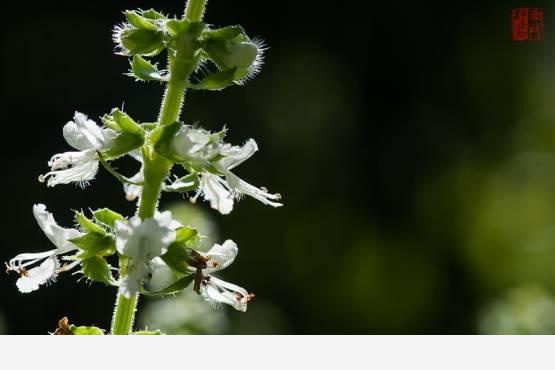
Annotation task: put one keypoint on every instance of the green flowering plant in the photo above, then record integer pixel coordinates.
(200, 57)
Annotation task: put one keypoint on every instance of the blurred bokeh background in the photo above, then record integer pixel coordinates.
(413, 144)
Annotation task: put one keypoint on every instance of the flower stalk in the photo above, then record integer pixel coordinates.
(156, 168)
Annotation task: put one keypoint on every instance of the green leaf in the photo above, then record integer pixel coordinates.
(139, 22)
(94, 244)
(176, 287)
(87, 224)
(97, 269)
(216, 81)
(85, 330)
(147, 332)
(141, 41)
(107, 217)
(143, 70)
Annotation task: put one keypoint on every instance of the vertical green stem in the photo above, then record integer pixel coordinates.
(194, 10)
(155, 167)
(124, 314)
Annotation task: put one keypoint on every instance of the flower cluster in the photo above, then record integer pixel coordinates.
(200, 57)
(141, 242)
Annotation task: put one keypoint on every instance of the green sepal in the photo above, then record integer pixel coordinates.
(85, 330)
(149, 126)
(123, 144)
(216, 81)
(130, 134)
(94, 244)
(152, 14)
(185, 183)
(126, 123)
(107, 217)
(139, 21)
(97, 269)
(184, 37)
(138, 41)
(174, 288)
(147, 332)
(161, 138)
(222, 34)
(88, 224)
(177, 255)
(143, 70)
(179, 27)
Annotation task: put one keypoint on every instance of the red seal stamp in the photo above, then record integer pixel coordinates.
(527, 24)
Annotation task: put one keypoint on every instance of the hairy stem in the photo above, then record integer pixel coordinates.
(156, 168)
(124, 314)
(194, 10)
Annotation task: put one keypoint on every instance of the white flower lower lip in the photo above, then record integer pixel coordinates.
(31, 279)
(87, 137)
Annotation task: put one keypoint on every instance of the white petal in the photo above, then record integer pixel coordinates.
(137, 272)
(132, 191)
(165, 220)
(242, 187)
(219, 291)
(197, 146)
(144, 240)
(83, 166)
(58, 235)
(37, 276)
(123, 232)
(216, 191)
(221, 256)
(94, 134)
(75, 137)
(26, 259)
(235, 155)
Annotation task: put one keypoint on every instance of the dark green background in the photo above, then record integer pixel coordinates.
(412, 143)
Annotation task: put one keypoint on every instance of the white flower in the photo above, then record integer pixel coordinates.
(87, 137)
(133, 191)
(31, 279)
(197, 146)
(216, 291)
(142, 241)
(221, 192)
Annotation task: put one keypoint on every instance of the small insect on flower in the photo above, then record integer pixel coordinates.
(199, 262)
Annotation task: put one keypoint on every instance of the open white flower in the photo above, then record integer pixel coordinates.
(141, 241)
(31, 279)
(216, 291)
(87, 137)
(222, 188)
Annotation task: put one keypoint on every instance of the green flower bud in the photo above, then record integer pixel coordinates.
(231, 50)
(131, 40)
